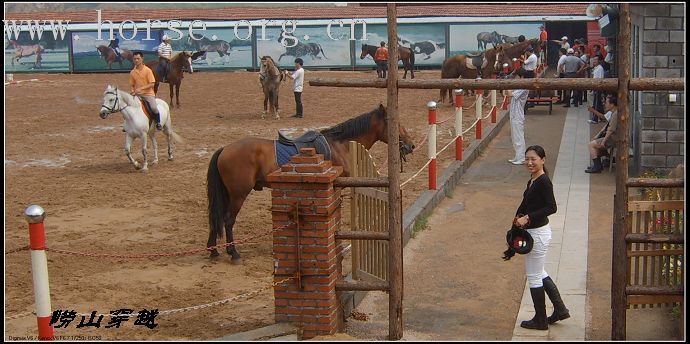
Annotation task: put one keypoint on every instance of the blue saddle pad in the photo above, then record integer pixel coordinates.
(284, 152)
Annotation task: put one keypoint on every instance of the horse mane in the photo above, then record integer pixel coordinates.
(353, 127)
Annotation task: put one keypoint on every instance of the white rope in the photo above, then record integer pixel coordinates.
(416, 174)
(468, 129)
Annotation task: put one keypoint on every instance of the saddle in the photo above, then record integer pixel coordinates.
(476, 60)
(311, 139)
(147, 109)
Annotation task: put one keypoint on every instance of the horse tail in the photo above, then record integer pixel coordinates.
(218, 198)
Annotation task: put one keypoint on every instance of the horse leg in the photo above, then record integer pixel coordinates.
(177, 92)
(168, 133)
(144, 151)
(154, 142)
(128, 145)
(263, 114)
(233, 209)
(275, 103)
(171, 92)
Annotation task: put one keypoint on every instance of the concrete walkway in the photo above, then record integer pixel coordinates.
(566, 260)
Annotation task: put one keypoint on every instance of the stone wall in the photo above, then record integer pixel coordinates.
(661, 127)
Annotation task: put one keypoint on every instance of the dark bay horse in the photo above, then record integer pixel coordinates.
(175, 75)
(456, 67)
(237, 169)
(110, 56)
(270, 77)
(404, 54)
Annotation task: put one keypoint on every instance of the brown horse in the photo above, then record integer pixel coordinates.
(175, 75)
(406, 55)
(25, 51)
(238, 168)
(110, 56)
(456, 67)
(508, 52)
(270, 77)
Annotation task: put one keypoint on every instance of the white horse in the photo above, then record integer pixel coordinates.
(137, 123)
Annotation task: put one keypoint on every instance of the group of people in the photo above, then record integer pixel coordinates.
(142, 80)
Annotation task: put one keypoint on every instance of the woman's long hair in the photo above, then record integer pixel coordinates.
(540, 152)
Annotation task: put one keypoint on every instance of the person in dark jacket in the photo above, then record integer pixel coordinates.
(532, 215)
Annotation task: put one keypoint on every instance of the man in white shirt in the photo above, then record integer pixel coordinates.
(298, 76)
(164, 56)
(563, 42)
(517, 121)
(597, 103)
(562, 54)
(530, 63)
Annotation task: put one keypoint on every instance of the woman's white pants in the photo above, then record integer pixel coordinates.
(535, 259)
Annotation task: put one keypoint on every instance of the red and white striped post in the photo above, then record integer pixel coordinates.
(432, 144)
(39, 268)
(480, 105)
(459, 102)
(504, 105)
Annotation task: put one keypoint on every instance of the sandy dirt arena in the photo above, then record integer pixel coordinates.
(61, 155)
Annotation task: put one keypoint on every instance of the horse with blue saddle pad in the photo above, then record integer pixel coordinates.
(238, 168)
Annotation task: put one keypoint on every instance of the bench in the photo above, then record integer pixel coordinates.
(541, 101)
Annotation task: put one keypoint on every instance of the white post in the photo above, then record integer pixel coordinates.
(432, 144)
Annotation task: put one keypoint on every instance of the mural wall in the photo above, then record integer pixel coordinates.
(223, 49)
(311, 43)
(46, 54)
(427, 41)
(432, 43)
(89, 54)
(469, 37)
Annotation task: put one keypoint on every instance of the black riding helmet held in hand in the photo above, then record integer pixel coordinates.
(519, 241)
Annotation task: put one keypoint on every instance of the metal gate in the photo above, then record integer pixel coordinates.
(369, 213)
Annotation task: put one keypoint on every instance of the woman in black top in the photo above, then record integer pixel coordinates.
(532, 215)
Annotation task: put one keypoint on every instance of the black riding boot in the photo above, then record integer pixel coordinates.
(596, 167)
(560, 312)
(539, 322)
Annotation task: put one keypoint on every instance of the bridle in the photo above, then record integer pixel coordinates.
(117, 100)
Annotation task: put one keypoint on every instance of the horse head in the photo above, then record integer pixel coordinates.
(365, 51)
(502, 59)
(110, 102)
(405, 139)
(187, 61)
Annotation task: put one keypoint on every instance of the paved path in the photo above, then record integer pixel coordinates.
(566, 260)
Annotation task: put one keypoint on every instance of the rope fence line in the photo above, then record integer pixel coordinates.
(20, 315)
(172, 254)
(246, 295)
(17, 250)
(416, 174)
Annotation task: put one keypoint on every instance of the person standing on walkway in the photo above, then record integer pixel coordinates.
(517, 121)
(532, 215)
(164, 56)
(570, 68)
(141, 80)
(559, 73)
(597, 96)
(298, 76)
(543, 40)
(381, 59)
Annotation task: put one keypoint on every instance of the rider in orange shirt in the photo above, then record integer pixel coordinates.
(381, 59)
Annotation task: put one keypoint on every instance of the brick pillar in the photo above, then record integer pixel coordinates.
(310, 252)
